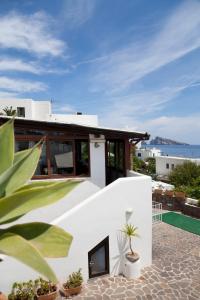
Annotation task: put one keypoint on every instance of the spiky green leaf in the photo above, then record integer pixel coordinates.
(40, 183)
(22, 171)
(22, 202)
(14, 245)
(50, 240)
(21, 155)
(6, 145)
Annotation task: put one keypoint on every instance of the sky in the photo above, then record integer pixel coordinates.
(134, 63)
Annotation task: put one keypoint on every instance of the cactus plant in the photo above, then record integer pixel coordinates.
(73, 285)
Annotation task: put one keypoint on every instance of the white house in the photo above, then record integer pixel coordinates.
(144, 153)
(42, 111)
(72, 150)
(109, 196)
(165, 164)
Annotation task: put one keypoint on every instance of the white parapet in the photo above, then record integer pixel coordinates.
(127, 200)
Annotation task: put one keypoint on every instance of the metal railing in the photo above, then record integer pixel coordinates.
(156, 212)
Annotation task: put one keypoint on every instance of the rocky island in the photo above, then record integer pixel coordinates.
(163, 141)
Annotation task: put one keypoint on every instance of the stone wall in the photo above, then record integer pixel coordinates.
(174, 203)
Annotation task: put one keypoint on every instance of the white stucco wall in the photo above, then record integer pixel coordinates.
(162, 161)
(89, 120)
(42, 111)
(97, 160)
(101, 215)
(38, 110)
(27, 103)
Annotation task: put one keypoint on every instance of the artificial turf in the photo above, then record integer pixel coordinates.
(181, 221)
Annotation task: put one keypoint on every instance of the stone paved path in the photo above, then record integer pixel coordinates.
(175, 273)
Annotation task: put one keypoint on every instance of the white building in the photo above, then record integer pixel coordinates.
(165, 164)
(94, 212)
(144, 153)
(42, 111)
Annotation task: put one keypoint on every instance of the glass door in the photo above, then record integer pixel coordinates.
(98, 259)
(115, 160)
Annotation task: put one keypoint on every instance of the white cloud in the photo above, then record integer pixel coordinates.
(184, 128)
(77, 12)
(179, 36)
(31, 33)
(15, 64)
(11, 64)
(122, 111)
(21, 85)
(64, 108)
(7, 95)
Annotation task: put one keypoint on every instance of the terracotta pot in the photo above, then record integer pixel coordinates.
(50, 296)
(3, 297)
(72, 291)
(132, 257)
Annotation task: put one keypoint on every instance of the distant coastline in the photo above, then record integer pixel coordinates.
(164, 141)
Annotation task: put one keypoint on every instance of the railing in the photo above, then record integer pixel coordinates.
(156, 212)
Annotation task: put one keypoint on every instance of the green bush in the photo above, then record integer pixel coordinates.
(185, 174)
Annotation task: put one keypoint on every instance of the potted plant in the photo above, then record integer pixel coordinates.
(45, 290)
(73, 285)
(22, 291)
(131, 231)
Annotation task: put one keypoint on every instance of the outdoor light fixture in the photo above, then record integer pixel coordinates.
(96, 145)
(129, 210)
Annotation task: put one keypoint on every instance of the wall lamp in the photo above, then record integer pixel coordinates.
(96, 145)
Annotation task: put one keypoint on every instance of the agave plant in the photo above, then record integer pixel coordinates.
(29, 243)
(130, 231)
(9, 111)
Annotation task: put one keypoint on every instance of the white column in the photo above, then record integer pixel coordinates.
(97, 160)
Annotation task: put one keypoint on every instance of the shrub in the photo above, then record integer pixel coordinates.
(185, 174)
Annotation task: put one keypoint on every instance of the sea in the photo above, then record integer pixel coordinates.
(192, 151)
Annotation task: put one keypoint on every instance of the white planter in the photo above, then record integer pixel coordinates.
(132, 269)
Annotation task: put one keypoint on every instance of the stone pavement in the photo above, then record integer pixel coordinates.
(175, 273)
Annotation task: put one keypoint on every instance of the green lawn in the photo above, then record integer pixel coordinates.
(181, 221)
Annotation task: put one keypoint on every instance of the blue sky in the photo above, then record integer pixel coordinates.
(135, 63)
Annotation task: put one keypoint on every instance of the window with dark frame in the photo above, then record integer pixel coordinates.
(66, 157)
(167, 166)
(21, 112)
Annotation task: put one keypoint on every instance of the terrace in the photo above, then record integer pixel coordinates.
(174, 273)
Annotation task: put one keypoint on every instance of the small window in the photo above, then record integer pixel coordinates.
(172, 166)
(139, 155)
(21, 112)
(167, 166)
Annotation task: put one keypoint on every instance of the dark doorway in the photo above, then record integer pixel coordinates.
(98, 259)
(115, 160)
